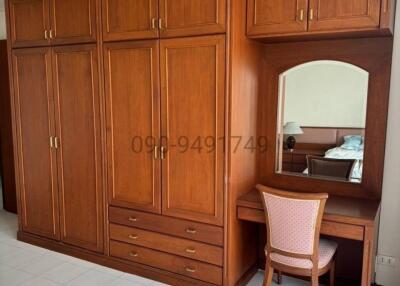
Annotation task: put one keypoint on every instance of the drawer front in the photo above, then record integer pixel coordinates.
(348, 231)
(184, 266)
(167, 225)
(183, 247)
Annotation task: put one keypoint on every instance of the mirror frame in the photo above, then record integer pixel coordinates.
(373, 55)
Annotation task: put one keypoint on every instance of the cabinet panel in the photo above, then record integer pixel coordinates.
(176, 264)
(73, 21)
(76, 90)
(166, 243)
(344, 14)
(193, 98)
(35, 125)
(192, 17)
(127, 19)
(29, 20)
(133, 122)
(276, 17)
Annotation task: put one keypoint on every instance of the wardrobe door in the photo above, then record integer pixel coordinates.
(29, 22)
(37, 171)
(79, 145)
(193, 99)
(336, 15)
(192, 17)
(133, 124)
(276, 16)
(128, 19)
(73, 21)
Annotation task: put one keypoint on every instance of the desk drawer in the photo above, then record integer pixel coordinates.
(343, 230)
(167, 225)
(179, 246)
(184, 266)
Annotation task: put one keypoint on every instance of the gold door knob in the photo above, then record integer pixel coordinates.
(301, 15)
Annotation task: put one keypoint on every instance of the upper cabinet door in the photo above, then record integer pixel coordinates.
(276, 16)
(37, 171)
(193, 100)
(29, 22)
(133, 124)
(79, 145)
(192, 17)
(343, 14)
(73, 21)
(130, 19)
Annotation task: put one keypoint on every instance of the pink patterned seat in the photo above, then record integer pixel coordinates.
(327, 250)
(293, 235)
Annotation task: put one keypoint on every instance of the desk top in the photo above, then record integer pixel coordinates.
(338, 209)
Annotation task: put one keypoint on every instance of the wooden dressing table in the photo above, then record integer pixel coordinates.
(347, 218)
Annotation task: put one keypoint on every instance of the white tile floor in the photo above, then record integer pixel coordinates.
(27, 265)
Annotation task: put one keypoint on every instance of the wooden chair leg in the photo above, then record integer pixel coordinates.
(269, 272)
(279, 277)
(314, 280)
(332, 275)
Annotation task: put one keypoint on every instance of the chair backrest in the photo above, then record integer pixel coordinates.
(327, 167)
(293, 222)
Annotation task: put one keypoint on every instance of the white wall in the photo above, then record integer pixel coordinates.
(3, 33)
(389, 232)
(326, 94)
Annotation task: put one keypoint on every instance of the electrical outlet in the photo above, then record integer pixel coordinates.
(386, 260)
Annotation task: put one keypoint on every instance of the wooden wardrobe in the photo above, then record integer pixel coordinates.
(126, 121)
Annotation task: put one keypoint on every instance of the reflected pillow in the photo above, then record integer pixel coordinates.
(353, 142)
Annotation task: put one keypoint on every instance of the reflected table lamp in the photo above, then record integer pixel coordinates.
(291, 128)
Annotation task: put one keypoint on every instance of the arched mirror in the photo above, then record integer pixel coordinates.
(321, 121)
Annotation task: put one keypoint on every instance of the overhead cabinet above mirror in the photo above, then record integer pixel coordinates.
(271, 19)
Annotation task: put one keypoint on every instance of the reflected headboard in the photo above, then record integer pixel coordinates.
(326, 135)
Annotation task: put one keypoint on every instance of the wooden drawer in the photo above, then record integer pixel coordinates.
(348, 231)
(183, 247)
(167, 225)
(184, 266)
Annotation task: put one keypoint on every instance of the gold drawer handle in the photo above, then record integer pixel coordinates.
(190, 250)
(132, 219)
(132, 236)
(191, 230)
(191, 270)
(133, 254)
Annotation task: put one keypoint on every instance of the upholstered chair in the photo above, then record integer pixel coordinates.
(293, 235)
